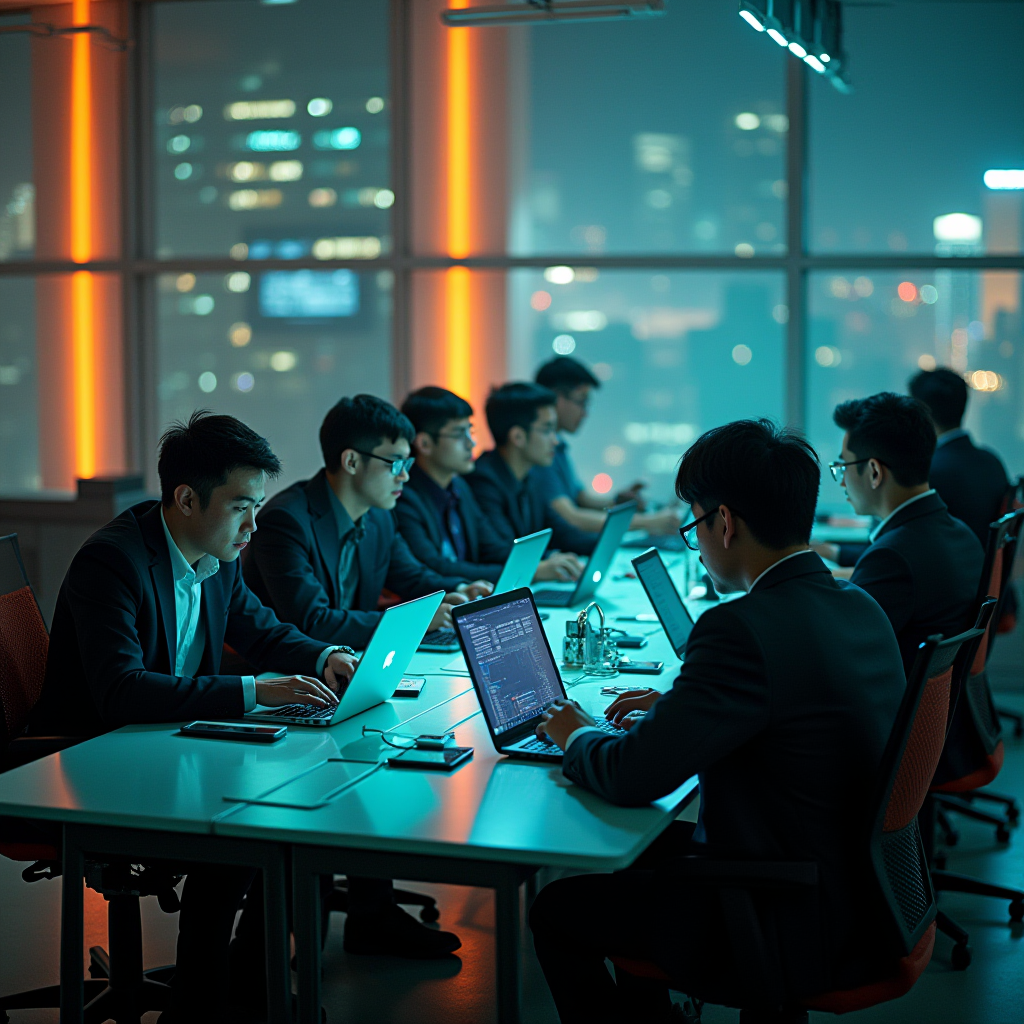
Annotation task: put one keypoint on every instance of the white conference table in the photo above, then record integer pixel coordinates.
(144, 791)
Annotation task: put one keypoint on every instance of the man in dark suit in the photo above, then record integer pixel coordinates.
(437, 515)
(139, 626)
(328, 547)
(922, 565)
(783, 707)
(971, 481)
(524, 424)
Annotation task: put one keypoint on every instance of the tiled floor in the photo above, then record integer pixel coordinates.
(461, 991)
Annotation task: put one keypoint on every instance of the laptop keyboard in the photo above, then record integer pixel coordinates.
(556, 598)
(538, 746)
(299, 711)
(440, 636)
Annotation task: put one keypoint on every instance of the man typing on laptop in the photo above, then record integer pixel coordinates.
(783, 707)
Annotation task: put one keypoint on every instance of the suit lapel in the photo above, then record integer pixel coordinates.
(214, 614)
(163, 582)
(325, 532)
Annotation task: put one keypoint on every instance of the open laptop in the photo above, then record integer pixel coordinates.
(673, 615)
(615, 526)
(379, 671)
(518, 571)
(513, 672)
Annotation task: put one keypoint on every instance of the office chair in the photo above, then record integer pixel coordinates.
(1008, 614)
(119, 989)
(893, 847)
(974, 751)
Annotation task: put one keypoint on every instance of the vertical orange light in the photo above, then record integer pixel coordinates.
(458, 327)
(82, 296)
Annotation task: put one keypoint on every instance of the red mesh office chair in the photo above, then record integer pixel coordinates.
(1008, 614)
(974, 752)
(893, 846)
(130, 991)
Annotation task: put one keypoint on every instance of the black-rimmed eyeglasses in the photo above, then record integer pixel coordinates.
(838, 468)
(684, 531)
(398, 466)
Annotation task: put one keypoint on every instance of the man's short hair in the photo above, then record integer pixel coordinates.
(515, 405)
(892, 428)
(766, 474)
(204, 450)
(564, 374)
(430, 408)
(361, 423)
(944, 393)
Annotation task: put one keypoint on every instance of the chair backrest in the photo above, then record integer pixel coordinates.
(23, 642)
(908, 764)
(1000, 551)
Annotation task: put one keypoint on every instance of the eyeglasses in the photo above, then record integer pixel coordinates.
(398, 466)
(838, 468)
(465, 435)
(684, 531)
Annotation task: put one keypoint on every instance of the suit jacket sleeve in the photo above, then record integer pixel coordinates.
(283, 555)
(491, 499)
(261, 638)
(105, 592)
(885, 575)
(409, 518)
(721, 698)
(409, 577)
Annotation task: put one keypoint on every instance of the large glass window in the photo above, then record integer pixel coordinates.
(17, 195)
(872, 332)
(275, 349)
(272, 129)
(677, 353)
(935, 105)
(19, 394)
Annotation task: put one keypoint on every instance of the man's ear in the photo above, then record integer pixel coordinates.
(422, 444)
(877, 471)
(186, 501)
(517, 437)
(730, 525)
(349, 461)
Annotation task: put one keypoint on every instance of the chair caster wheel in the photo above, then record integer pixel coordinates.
(960, 958)
(428, 915)
(1002, 834)
(1017, 911)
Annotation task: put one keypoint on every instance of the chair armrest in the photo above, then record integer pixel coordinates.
(749, 874)
(23, 749)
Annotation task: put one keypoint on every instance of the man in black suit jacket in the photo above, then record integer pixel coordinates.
(327, 547)
(140, 622)
(524, 425)
(437, 514)
(922, 566)
(783, 708)
(971, 481)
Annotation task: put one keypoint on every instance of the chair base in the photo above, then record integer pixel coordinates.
(337, 900)
(960, 957)
(960, 805)
(1012, 716)
(948, 881)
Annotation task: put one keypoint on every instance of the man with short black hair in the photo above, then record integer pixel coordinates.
(783, 707)
(327, 547)
(971, 481)
(922, 565)
(437, 514)
(573, 385)
(524, 424)
(141, 620)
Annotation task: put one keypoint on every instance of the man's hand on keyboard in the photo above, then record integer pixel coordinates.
(561, 720)
(339, 670)
(563, 566)
(272, 693)
(642, 699)
(478, 588)
(443, 616)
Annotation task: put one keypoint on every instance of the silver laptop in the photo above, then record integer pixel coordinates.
(379, 671)
(513, 672)
(518, 571)
(673, 615)
(614, 529)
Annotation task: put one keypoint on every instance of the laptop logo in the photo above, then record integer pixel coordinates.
(390, 658)
(597, 577)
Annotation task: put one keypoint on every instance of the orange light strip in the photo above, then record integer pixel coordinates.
(458, 320)
(82, 294)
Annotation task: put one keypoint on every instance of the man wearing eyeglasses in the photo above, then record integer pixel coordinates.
(327, 548)
(437, 515)
(922, 565)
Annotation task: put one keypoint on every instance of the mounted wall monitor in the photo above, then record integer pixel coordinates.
(308, 294)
